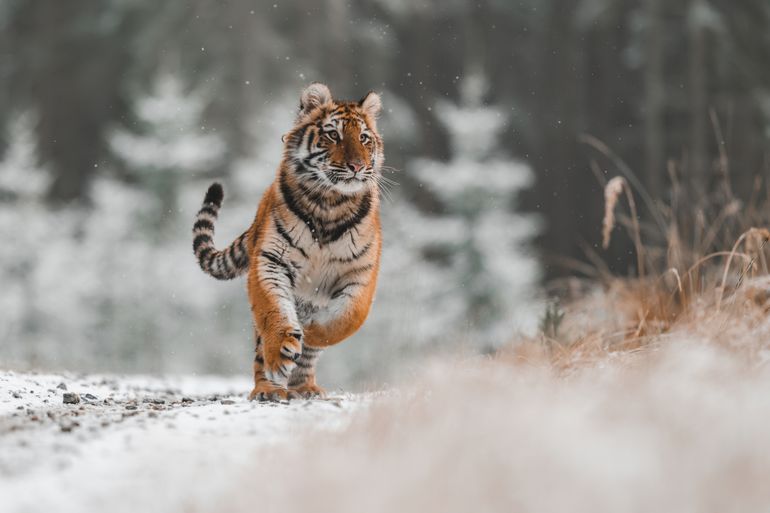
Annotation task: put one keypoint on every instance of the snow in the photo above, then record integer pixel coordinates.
(681, 426)
(157, 457)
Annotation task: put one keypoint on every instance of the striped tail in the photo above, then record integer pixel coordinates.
(232, 261)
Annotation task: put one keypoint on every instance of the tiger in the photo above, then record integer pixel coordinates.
(312, 253)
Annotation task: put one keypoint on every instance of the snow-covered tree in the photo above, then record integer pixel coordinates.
(168, 142)
(475, 274)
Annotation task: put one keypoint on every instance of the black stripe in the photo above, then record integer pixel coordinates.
(277, 261)
(209, 261)
(225, 263)
(301, 169)
(204, 254)
(291, 202)
(299, 135)
(203, 238)
(242, 242)
(346, 274)
(283, 233)
(305, 361)
(363, 211)
(208, 210)
(354, 256)
(337, 293)
(240, 258)
(314, 154)
(310, 140)
(203, 224)
(322, 200)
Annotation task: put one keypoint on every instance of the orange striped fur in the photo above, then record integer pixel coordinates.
(313, 251)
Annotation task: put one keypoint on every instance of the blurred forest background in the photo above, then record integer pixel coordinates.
(116, 114)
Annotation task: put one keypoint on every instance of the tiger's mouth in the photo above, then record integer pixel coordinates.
(347, 177)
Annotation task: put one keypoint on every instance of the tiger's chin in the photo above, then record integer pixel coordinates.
(351, 186)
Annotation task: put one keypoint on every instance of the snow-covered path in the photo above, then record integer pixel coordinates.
(139, 444)
(681, 427)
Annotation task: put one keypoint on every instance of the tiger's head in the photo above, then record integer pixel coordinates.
(335, 143)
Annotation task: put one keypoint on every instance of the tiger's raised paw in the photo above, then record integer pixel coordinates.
(281, 358)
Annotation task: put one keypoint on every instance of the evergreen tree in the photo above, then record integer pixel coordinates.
(169, 143)
(464, 271)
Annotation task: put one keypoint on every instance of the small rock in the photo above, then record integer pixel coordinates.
(16, 395)
(61, 386)
(226, 401)
(130, 406)
(187, 400)
(90, 397)
(67, 428)
(71, 398)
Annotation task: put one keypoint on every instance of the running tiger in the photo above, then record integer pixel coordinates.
(313, 251)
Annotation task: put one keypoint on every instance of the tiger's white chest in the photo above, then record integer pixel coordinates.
(318, 277)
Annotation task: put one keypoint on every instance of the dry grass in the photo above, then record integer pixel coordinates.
(701, 266)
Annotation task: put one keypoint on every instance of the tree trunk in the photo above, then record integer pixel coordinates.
(654, 92)
(699, 162)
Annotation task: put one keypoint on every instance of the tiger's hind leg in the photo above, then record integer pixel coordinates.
(264, 389)
(302, 380)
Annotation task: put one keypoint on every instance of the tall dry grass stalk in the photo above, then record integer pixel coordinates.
(612, 192)
(697, 260)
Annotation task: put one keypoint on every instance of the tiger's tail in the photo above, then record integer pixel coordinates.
(228, 263)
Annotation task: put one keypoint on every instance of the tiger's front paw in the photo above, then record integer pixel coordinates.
(281, 357)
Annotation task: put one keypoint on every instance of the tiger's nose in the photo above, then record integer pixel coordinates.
(356, 166)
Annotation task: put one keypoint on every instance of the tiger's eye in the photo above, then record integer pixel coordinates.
(333, 135)
(365, 138)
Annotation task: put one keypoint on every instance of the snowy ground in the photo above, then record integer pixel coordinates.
(681, 426)
(138, 444)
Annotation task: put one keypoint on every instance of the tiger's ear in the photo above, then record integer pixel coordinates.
(371, 104)
(314, 95)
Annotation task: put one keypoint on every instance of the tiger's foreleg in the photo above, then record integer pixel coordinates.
(270, 287)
